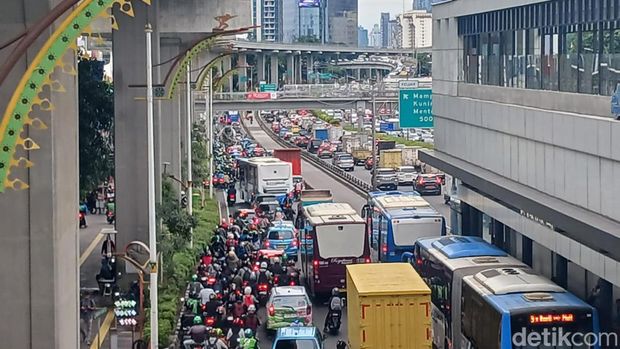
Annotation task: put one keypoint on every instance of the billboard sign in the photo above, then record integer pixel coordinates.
(309, 3)
(416, 108)
(261, 95)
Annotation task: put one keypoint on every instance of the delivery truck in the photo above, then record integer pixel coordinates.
(321, 133)
(335, 132)
(390, 158)
(360, 155)
(291, 155)
(388, 307)
(385, 145)
(410, 156)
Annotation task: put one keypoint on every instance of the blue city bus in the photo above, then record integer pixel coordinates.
(481, 296)
(395, 220)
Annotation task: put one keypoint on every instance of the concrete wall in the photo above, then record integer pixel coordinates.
(174, 15)
(39, 232)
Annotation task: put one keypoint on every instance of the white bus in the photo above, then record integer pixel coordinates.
(264, 175)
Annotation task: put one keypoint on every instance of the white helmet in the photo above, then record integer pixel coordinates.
(231, 253)
(276, 260)
(252, 308)
(263, 265)
(230, 236)
(247, 290)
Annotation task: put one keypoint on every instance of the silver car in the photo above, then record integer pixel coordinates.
(386, 179)
(406, 175)
(344, 161)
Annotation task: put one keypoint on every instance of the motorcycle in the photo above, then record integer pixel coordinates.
(333, 322)
(263, 293)
(292, 278)
(110, 217)
(231, 199)
(82, 218)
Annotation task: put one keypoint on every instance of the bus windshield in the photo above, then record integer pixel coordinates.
(406, 232)
(281, 172)
(340, 240)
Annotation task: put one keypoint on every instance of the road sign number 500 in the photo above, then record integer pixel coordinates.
(426, 118)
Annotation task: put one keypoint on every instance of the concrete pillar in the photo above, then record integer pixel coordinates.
(359, 73)
(39, 242)
(243, 74)
(273, 77)
(171, 121)
(130, 124)
(290, 68)
(227, 65)
(298, 76)
(260, 67)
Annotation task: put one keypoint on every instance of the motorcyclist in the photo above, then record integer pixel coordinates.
(276, 268)
(264, 275)
(214, 342)
(232, 260)
(205, 295)
(238, 309)
(279, 216)
(212, 305)
(335, 305)
(231, 242)
(251, 319)
(198, 333)
(248, 297)
(248, 342)
(195, 287)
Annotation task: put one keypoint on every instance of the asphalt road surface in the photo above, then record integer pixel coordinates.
(317, 179)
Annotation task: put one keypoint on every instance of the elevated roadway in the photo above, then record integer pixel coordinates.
(242, 45)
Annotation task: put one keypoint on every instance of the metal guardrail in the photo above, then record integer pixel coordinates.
(357, 185)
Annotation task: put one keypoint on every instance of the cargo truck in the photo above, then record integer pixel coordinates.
(360, 155)
(390, 158)
(388, 307)
(321, 133)
(335, 132)
(291, 155)
(385, 145)
(410, 156)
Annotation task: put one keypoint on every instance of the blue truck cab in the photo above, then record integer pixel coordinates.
(298, 338)
(283, 237)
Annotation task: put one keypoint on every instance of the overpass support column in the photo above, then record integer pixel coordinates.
(242, 65)
(228, 86)
(298, 74)
(260, 67)
(40, 244)
(290, 68)
(273, 61)
(130, 123)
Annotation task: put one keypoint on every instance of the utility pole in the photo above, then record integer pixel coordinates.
(374, 140)
(190, 198)
(211, 133)
(151, 187)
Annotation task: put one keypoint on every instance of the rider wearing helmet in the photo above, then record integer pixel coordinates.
(264, 275)
(335, 305)
(198, 333)
(248, 297)
(279, 214)
(195, 287)
(214, 341)
(212, 305)
(251, 319)
(248, 342)
(276, 267)
(232, 260)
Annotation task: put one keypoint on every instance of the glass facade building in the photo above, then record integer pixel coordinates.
(560, 45)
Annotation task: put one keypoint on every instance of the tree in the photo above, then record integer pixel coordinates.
(96, 124)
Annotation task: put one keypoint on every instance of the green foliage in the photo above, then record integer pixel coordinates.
(96, 124)
(200, 160)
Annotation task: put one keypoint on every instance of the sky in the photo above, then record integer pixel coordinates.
(369, 11)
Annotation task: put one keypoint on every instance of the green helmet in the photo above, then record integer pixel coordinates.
(194, 277)
(248, 333)
(197, 320)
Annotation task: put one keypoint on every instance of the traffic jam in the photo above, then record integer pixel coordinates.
(293, 267)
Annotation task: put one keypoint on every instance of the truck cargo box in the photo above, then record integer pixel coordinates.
(291, 155)
(388, 307)
(390, 158)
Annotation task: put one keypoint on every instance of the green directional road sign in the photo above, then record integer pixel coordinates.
(416, 108)
(267, 87)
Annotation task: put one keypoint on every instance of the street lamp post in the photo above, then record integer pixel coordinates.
(151, 188)
(211, 133)
(374, 141)
(190, 199)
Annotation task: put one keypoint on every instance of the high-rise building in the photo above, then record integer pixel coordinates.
(424, 5)
(310, 23)
(290, 20)
(362, 37)
(375, 36)
(385, 28)
(394, 34)
(417, 29)
(266, 15)
(342, 12)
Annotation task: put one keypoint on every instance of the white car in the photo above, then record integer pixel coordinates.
(406, 175)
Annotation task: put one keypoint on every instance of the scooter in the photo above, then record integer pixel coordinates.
(82, 218)
(263, 293)
(333, 322)
(110, 217)
(231, 199)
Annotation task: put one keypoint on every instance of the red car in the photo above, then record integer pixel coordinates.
(325, 151)
(368, 163)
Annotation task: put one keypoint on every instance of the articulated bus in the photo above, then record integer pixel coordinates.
(481, 296)
(333, 237)
(264, 175)
(395, 220)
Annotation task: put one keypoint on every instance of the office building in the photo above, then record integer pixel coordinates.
(342, 13)
(362, 36)
(394, 34)
(375, 36)
(310, 23)
(266, 15)
(416, 29)
(290, 20)
(384, 27)
(522, 112)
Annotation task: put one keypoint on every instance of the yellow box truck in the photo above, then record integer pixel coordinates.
(390, 158)
(388, 307)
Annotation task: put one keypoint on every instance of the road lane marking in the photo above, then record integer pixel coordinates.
(103, 330)
(89, 250)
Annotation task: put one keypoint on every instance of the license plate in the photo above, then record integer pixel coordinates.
(280, 248)
(290, 316)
